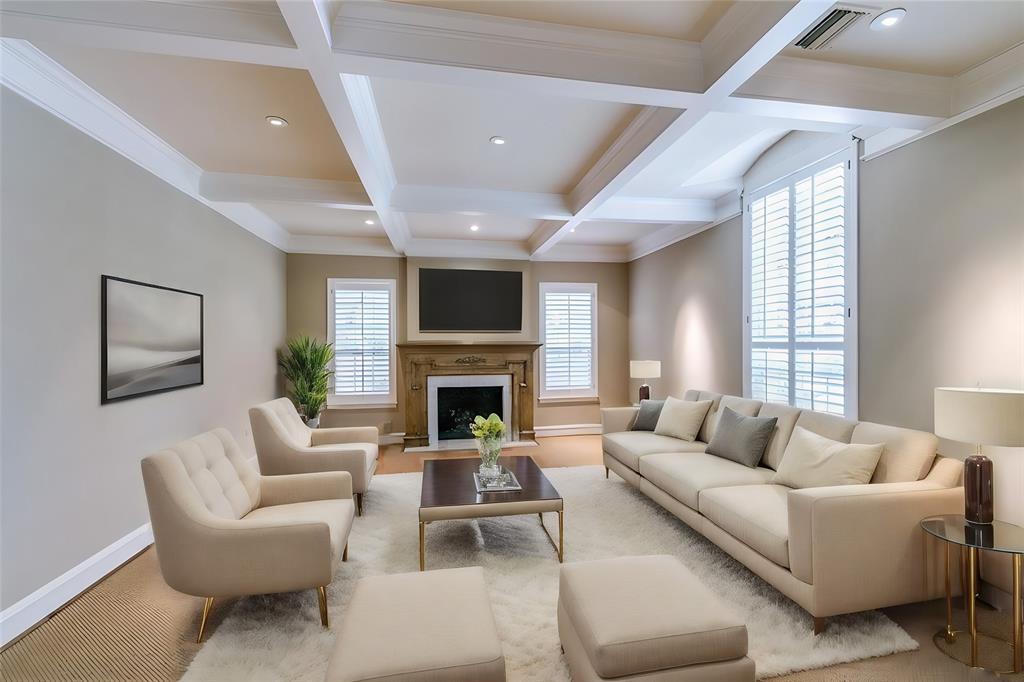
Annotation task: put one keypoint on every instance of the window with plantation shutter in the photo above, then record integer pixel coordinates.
(800, 289)
(361, 327)
(568, 321)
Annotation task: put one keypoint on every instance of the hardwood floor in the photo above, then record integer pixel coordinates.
(131, 626)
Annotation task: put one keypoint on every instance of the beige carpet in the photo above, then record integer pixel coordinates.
(131, 626)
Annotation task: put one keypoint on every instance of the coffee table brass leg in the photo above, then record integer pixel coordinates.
(561, 553)
(972, 621)
(1018, 635)
(423, 558)
(950, 633)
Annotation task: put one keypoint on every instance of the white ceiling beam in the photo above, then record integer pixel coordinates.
(466, 201)
(617, 168)
(350, 104)
(844, 115)
(236, 33)
(653, 210)
(240, 187)
(399, 40)
(466, 248)
(992, 79)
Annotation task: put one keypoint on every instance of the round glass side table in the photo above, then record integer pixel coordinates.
(998, 536)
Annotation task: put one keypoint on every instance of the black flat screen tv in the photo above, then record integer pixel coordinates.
(470, 300)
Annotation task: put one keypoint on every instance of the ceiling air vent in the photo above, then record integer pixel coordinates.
(834, 23)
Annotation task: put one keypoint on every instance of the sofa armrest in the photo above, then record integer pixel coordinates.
(292, 488)
(345, 434)
(616, 419)
(863, 544)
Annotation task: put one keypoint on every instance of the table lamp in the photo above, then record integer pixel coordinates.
(982, 416)
(645, 369)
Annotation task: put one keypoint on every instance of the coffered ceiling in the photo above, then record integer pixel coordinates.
(626, 124)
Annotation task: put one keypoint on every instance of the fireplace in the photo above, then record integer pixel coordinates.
(428, 367)
(454, 400)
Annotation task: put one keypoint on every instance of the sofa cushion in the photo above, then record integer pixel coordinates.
(682, 418)
(647, 415)
(742, 406)
(705, 432)
(629, 446)
(756, 515)
(641, 614)
(739, 438)
(813, 461)
(685, 476)
(828, 425)
(786, 417)
(908, 454)
(337, 514)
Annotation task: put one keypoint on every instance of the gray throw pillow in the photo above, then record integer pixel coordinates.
(647, 417)
(741, 439)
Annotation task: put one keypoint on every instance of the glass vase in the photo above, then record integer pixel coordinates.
(490, 451)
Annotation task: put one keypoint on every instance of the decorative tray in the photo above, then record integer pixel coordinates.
(506, 482)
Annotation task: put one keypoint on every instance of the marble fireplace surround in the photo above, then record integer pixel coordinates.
(421, 360)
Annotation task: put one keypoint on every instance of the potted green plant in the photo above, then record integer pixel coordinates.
(489, 434)
(306, 364)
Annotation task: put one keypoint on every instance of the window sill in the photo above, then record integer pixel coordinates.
(362, 406)
(569, 400)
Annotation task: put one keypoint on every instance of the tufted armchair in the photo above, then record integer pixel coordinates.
(285, 445)
(223, 530)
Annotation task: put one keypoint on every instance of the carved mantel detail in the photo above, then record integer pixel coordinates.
(421, 360)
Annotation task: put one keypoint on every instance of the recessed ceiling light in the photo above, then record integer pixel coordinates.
(572, 229)
(369, 222)
(277, 121)
(497, 139)
(888, 19)
(474, 228)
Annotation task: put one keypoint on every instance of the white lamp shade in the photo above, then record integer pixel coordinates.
(645, 369)
(981, 416)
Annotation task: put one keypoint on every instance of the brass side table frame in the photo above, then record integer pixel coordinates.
(945, 529)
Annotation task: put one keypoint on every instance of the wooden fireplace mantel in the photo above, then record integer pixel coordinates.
(422, 359)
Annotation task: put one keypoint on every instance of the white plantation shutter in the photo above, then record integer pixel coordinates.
(361, 326)
(801, 343)
(569, 335)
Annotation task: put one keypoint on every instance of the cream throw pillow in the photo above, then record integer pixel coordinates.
(682, 418)
(813, 461)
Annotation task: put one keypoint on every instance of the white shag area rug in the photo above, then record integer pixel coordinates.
(279, 637)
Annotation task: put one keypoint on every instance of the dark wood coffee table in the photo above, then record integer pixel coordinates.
(450, 493)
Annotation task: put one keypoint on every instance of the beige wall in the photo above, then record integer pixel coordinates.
(685, 305)
(73, 210)
(613, 337)
(307, 314)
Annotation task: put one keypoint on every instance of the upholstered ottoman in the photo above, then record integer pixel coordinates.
(419, 627)
(647, 618)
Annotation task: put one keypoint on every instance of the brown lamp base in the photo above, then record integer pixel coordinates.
(978, 489)
(645, 392)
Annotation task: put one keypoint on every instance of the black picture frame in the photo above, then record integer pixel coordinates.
(119, 391)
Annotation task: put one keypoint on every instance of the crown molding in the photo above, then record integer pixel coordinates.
(45, 83)
(342, 246)
(655, 210)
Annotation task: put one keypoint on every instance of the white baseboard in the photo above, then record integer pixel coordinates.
(392, 439)
(18, 618)
(567, 430)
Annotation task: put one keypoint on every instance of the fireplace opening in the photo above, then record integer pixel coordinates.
(458, 405)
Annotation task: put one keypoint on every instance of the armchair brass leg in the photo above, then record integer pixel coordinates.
(207, 605)
(606, 472)
(359, 504)
(344, 554)
(322, 594)
(819, 625)
(561, 537)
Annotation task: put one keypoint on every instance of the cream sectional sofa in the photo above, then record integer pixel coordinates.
(832, 550)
